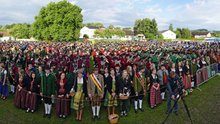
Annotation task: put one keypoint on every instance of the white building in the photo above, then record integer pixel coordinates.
(7, 38)
(141, 37)
(90, 31)
(129, 34)
(168, 34)
(201, 34)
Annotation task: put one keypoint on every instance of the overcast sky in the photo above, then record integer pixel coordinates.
(193, 14)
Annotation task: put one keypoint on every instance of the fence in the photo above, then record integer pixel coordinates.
(205, 73)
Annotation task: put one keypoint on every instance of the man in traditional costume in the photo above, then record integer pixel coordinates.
(47, 91)
(139, 88)
(193, 71)
(162, 74)
(95, 91)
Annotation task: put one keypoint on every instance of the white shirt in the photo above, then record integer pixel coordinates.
(80, 80)
(173, 69)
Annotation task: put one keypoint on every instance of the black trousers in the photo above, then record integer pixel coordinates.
(163, 88)
(140, 96)
(47, 100)
(194, 79)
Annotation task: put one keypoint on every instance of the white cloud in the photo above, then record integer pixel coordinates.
(194, 14)
(200, 14)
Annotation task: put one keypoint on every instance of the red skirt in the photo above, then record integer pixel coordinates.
(198, 78)
(62, 106)
(204, 74)
(19, 100)
(187, 81)
(155, 97)
(31, 101)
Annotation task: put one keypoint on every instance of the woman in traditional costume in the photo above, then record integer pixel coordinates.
(112, 91)
(155, 97)
(3, 83)
(31, 96)
(62, 103)
(179, 70)
(106, 79)
(124, 92)
(187, 77)
(78, 99)
(20, 94)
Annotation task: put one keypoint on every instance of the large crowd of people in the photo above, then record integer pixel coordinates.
(109, 74)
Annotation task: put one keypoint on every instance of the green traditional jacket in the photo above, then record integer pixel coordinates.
(154, 59)
(137, 84)
(43, 53)
(193, 56)
(48, 85)
(193, 67)
(91, 65)
(39, 77)
(207, 59)
(173, 58)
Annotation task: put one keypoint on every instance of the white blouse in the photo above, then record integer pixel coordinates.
(80, 80)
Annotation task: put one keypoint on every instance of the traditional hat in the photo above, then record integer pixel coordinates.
(96, 68)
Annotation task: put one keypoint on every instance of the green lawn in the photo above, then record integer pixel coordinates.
(204, 107)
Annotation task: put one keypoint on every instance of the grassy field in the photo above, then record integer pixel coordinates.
(204, 106)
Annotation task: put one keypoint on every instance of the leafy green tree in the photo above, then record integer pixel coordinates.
(119, 32)
(21, 31)
(1, 34)
(9, 26)
(216, 34)
(108, 33)
(110, 27)
(95, 24)
(178, 33)
(59, 21)
(99, 33)
(147, 27)
(85, 36)
(117, 27)
(171, 27)
(154, 28)
(160, 36)
(186, 33)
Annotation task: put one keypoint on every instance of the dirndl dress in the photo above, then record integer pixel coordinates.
(109, 99)
(78, 99)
